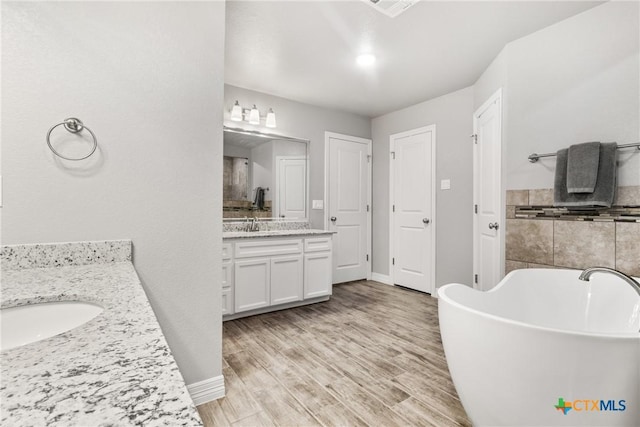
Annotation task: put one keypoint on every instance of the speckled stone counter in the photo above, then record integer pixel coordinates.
(272, 233)
(116, 369)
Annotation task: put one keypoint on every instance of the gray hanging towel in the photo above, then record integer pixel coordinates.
(605, 189)
(582, 167)
(259, 198)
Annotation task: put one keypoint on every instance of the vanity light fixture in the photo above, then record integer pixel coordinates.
(271, 119)
(236, 112)
(239, 114)
(254, 116)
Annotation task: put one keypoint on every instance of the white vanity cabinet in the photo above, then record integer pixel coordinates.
(227, 279)
(267, 273)
(317, 261)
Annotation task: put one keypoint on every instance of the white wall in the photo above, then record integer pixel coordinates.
(302, 121)
(492, 79)
(572, 82)
(452, 115)
(147, 78)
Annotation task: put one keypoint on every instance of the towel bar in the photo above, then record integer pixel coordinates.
(535, 157)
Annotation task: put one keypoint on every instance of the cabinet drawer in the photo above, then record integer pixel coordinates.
(227, 251)
(227, 301)
(315, 244)
(227, 274)
(256, 248)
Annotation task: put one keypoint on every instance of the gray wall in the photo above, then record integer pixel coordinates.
(147, 78)
(303, 121)
(575, 81)
(452, 115)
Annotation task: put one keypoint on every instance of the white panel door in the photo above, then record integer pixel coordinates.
(348, 176)
(286, 279)
(488, 229)
(412, 208)
(291, 187)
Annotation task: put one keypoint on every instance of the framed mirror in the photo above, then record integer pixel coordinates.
(265, 175)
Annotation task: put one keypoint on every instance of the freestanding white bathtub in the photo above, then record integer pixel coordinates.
(542, 339)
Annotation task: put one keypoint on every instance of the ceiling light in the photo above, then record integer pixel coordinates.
(366, 59)
(254, 116)
(236, 112)
(271, 119)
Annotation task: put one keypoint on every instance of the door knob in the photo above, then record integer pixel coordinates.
(334, 219)
(426, 220)
(493, 226)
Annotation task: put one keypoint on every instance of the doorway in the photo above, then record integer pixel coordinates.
(488, 224)
(291, 188)
(412, 199)
(348, 214)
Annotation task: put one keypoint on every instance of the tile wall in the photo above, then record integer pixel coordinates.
(575, 241)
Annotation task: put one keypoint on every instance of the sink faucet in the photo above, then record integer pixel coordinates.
(254, 224)
(586, 274)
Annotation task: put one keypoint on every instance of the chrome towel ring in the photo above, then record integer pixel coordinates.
(73, 125)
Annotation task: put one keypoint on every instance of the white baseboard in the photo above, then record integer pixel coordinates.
(382, 278)
(207, 390)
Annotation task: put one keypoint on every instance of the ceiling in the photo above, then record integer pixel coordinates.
(306, 50)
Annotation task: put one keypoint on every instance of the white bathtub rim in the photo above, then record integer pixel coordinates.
(446, 299)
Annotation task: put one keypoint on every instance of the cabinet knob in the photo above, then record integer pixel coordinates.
(334, 219)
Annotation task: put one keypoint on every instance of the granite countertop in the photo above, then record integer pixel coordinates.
(116, 369)
(273, 233)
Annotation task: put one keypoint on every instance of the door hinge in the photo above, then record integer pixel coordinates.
(367, 257)
(475, 208)
(393, 155)
(367, 208)
(393, 261)
(368, 158)
(475, 138)
(393, 208)
(475, 279)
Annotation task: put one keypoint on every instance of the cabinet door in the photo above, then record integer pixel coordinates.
(317, 274)
(227, 287)
(252, 284)
(286, 279)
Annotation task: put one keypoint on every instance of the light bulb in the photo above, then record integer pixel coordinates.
(236, 112)
(254, 116)
(271, 119)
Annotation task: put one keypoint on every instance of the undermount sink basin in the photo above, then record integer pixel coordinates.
(34, 322)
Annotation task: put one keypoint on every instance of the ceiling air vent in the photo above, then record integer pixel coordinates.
(391, 8)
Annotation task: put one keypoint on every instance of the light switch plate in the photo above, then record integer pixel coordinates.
(317, 204)
(445, 184)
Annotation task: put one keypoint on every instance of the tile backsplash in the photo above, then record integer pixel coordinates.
(543, 237)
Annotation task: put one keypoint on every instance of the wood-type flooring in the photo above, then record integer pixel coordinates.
(370, 356)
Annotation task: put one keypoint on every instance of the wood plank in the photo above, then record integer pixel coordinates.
(364, 405)
(339, 415)
(212, 414)
(259, 419)
(238, 402)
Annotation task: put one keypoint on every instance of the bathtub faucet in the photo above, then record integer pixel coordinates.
(630, 280)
